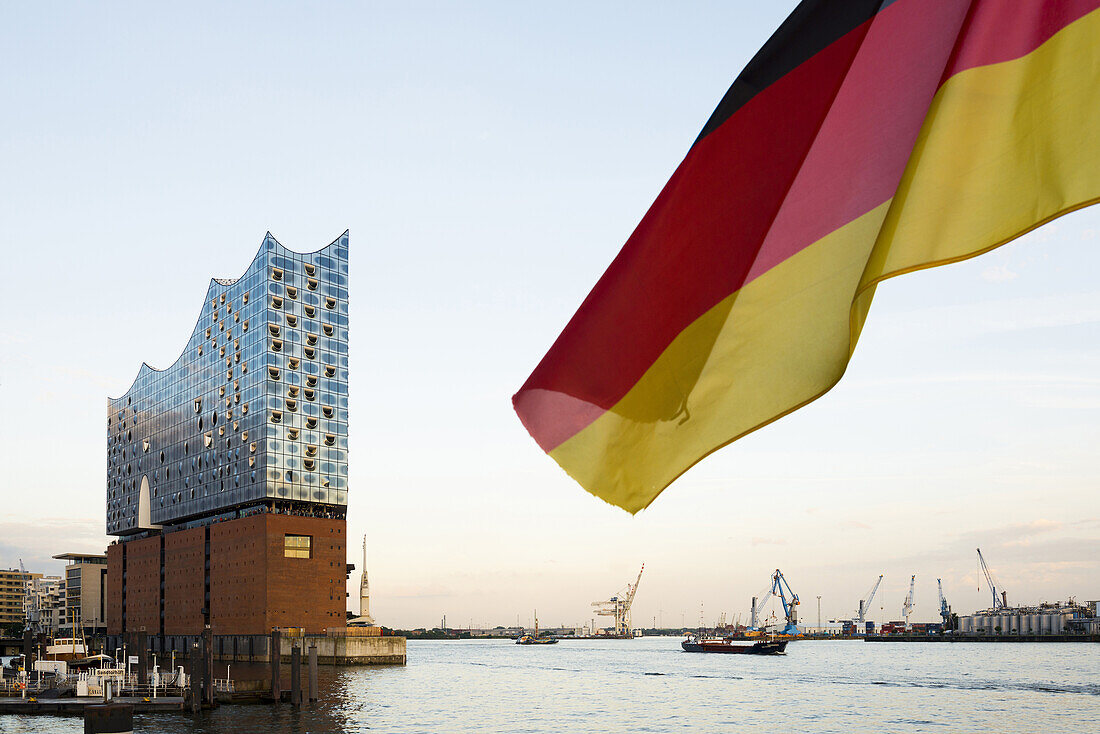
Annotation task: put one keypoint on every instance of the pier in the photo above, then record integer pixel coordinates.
(76, 706)
(146, 683)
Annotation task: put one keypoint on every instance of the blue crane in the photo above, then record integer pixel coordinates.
(789, 599)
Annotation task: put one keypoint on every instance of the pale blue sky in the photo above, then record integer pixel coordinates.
(490, 160)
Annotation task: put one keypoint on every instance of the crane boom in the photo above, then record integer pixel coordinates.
(758, 603)
(632, 590)
(910, 600)
(865, 605)
(999, 601)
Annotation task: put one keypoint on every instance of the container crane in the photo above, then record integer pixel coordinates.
(1000, 601)
(789, 599)
(945, 611)
(910, 600)
(619, 605)
(865, 605)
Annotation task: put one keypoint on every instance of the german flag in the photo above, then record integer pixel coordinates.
(864, 140)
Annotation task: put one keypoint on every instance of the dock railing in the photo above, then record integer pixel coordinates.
(91, 685)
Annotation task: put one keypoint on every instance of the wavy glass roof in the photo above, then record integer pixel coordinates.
(252, 412)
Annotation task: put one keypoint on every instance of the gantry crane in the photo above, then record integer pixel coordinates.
(864, 605)
(1000, 601)
(910, 600)
(618, 607)
(945, 611)
(789, 599)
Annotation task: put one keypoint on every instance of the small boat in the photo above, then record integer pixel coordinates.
(770, 645)
(534, 639)
(92, 661)
(66, 648)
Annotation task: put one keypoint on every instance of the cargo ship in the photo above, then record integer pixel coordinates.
(769, 645)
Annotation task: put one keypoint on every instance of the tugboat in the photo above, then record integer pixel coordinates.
(535, 639)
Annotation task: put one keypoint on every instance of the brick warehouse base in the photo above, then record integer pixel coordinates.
(239, 569)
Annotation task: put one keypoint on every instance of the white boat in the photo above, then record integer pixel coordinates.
(66, 648)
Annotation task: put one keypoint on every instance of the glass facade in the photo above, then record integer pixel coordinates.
(253, 413)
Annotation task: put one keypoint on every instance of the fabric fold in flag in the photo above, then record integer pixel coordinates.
(863, 141)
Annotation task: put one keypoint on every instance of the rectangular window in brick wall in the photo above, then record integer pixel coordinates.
(298, 546)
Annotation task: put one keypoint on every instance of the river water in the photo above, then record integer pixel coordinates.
(649, 685)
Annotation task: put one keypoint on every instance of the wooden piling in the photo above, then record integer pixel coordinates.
(207, 666)
(276, 657)
(195, 668)
(28, 650)
(141, 646)
(296, 675)
(312, 673)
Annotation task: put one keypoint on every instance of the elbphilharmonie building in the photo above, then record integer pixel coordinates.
(227, 472)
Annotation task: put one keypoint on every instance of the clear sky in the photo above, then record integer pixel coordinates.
(490, 159)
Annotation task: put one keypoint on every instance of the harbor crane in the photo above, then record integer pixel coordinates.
(619, 605)
(789, 599)
(910, 600)
(945, 611)
(1000, 601)
(864, 605)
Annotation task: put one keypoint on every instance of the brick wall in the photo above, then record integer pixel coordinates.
(143, 585)
(114, 589)
(184, 581)
(238, 576)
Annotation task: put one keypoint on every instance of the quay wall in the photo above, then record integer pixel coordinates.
(348, 650)
(331, 649)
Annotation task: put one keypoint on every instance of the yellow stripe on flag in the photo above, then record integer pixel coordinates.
(783, 335)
